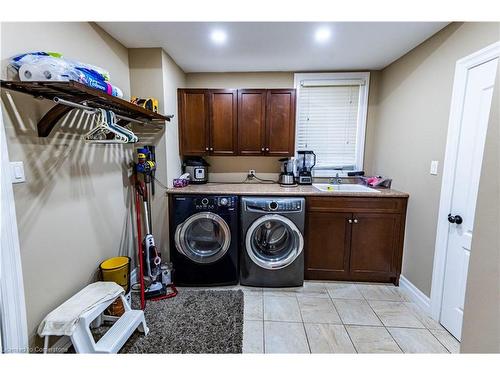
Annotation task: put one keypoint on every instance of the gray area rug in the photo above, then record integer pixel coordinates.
(192, 322)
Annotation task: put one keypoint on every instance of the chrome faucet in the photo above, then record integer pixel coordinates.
(336, 180)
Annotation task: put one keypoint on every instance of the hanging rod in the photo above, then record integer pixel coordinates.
(94, 110)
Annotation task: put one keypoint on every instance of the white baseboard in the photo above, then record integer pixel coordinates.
(415, 294)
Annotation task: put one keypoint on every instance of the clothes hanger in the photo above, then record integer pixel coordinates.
(106, 124)
(112, 122)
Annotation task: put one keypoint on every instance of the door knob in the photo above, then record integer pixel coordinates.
(457, 219)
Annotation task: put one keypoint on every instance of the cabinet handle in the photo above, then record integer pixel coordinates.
(350, 221)
(262, 149)
(267, 148)
(355, 221)
(211, 148)
(206, 148)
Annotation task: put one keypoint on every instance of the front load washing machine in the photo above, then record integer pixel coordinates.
(204, 240)
(272, 241)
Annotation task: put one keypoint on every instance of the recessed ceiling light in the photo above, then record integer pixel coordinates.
(218, 36)
(322, 35)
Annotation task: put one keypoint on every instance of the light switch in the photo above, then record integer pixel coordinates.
(434, 167)
(17, 172)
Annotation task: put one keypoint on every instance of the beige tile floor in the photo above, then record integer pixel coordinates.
(334, 317)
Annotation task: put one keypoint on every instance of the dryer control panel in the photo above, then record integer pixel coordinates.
(274, 204)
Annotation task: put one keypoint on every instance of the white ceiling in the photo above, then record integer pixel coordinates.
(276, 46)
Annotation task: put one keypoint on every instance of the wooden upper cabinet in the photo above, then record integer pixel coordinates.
(193, 122)
(280, 122)
(223, 106)
(251, 122)
(237, 122)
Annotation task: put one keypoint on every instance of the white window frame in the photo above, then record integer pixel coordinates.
(362, 113)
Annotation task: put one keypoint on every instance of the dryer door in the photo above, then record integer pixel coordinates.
(204, 237)
(273, 242)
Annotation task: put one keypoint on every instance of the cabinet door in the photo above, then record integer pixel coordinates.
(223, 122)
(375, 245)
(280, 122)
(328, 237)
(193, 122)
(251, 122)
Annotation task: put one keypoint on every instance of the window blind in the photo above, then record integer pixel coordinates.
(328, 123)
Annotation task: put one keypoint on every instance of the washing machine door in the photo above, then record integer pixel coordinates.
(204, 237)
(273, 242)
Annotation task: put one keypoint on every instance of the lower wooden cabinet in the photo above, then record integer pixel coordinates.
(346, 241)
(327, 258)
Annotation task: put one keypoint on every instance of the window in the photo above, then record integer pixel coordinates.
(331, 119)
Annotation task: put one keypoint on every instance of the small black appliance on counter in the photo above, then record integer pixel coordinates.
(197, 167)
(306, 160)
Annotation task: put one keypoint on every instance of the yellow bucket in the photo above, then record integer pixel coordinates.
(117, 269)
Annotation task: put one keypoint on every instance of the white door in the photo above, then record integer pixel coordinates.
(13, 329)
(473, 119)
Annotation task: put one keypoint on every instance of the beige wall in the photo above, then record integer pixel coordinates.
(481, 324)
(413, 104)
(154, 73)
(173, 78)
(74, 209)
(250, 80)
(236, 169)
(146, 79)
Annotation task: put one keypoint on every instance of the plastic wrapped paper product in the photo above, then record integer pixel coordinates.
(42, 66)
(43, 71)
(57, 58)
(100, 85)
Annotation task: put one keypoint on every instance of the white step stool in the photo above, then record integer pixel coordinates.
(112, 341)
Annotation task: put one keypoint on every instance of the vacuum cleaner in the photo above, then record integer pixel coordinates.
(152, 282)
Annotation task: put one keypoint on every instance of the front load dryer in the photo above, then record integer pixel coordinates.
(272, 241)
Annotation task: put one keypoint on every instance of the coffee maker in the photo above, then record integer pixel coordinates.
(306, 160)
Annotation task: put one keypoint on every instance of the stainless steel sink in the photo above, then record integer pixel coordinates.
(347, 188)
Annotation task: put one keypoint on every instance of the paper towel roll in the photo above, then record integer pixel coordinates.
(51, 72)
(38, 72)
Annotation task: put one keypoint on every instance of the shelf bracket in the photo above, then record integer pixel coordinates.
(52, 117)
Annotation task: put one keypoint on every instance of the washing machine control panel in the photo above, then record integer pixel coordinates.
(211, 203)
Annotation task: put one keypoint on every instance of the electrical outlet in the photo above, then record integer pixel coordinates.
(251, 173)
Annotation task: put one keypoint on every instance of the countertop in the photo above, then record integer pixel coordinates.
(276, 189)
